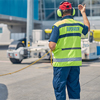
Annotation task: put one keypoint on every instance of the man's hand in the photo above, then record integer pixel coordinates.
(52, 45)
(81, 8)
(85, 19)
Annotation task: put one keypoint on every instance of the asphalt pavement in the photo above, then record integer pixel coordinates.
(35, 82)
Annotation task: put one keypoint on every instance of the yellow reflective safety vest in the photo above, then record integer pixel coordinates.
(68, 47)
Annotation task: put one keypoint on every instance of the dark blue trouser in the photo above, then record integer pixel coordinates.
(66, 76)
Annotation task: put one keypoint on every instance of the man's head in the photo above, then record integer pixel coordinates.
(65, 8)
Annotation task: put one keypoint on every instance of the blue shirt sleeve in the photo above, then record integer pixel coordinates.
(85, 30)
(54, 35)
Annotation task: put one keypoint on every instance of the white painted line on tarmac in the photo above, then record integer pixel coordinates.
(47, 67)
(91, 65)
(94, 65)
(5, 61)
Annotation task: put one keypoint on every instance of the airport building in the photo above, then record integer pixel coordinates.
(49, 8)
(13, 13)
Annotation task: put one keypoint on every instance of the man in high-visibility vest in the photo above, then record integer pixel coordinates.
(65, 43)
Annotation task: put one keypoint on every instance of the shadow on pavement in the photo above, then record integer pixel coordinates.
(3, 47)
(41, 61)
(91, 61)
(3, 92)
(96, 60)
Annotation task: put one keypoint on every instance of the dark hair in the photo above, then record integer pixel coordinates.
(68, 11)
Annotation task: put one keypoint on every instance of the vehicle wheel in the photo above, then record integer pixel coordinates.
(19, 45)
(15, 61)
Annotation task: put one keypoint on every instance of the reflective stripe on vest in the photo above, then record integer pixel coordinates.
(67, 59)
(68, 63)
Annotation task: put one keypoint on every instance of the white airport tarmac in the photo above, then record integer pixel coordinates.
(35, 82)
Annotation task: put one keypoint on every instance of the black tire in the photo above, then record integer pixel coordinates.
(19, 45)
(15, 61)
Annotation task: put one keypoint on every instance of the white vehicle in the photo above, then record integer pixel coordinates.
(17, 50)
(92, 48)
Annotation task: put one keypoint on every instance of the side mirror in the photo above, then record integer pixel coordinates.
(90, 36)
